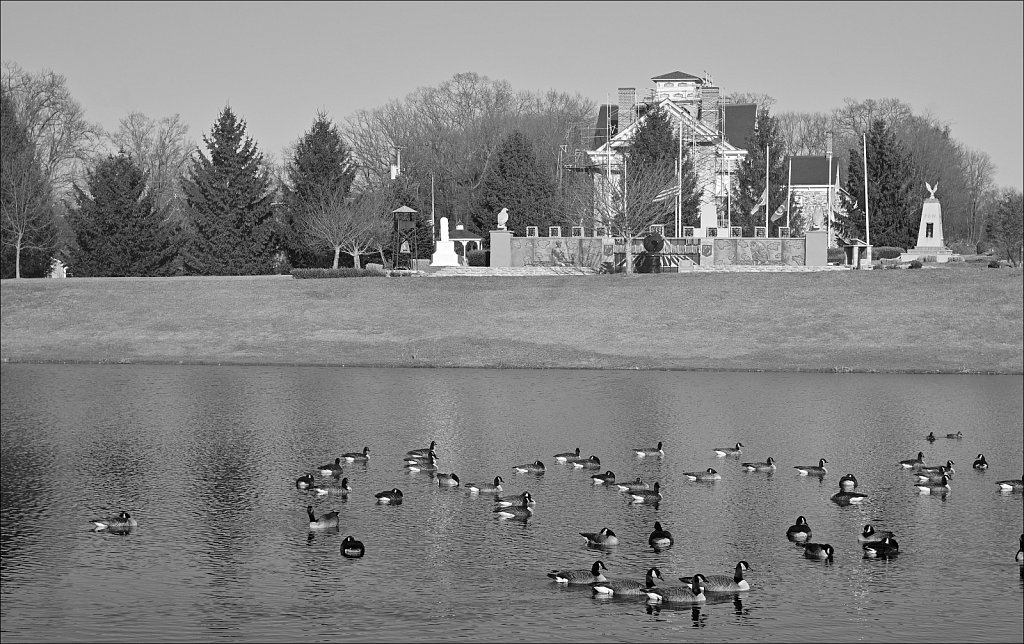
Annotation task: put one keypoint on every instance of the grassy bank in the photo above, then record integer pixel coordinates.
(933, 320)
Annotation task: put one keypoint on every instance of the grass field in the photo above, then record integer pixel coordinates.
(943, 319)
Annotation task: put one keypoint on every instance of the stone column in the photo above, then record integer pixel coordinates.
(501, 248)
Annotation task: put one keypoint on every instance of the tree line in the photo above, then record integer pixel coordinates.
(146, 199)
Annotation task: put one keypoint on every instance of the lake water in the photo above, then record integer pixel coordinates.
(206, 457)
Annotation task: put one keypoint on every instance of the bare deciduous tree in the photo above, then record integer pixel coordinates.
(627, 205)
(27, 214)
(354, 224)
(64, 140)
(162, 150)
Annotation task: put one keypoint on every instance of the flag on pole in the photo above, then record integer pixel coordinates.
(670, 191)
(781, 210)
(763, 201)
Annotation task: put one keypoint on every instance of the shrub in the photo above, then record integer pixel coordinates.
(994, 264)
(915, 264)
(886, 252)
(836, 256)
(321, 273)
(478, 257)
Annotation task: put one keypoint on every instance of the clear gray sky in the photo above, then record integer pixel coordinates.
(278, 63)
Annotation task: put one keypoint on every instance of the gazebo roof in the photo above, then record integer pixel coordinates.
(460, 232)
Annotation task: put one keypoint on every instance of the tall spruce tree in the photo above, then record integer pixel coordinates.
(893, 204)
(232, 230)
(321, 164)
(516, 181)
(749, 180)
(116, 224)
(654, 147)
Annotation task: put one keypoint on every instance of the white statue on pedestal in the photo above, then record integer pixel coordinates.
(931, 190)
(502, 218)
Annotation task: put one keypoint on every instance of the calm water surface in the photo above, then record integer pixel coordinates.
(206, 458)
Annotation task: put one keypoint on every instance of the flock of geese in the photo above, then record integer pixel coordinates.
(694, 589)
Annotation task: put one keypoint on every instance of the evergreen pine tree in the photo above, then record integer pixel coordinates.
(231, 223)
(894, 209)
(116, 224)
(515, 181)
(749, 179)
(654, 147)
(321, 162)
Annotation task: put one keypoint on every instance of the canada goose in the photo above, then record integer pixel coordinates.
(304, 482)
(660, 537)
(848, 482)
(120, 522)
(604, 537)
(844, 497)
(812, 470)
(957, 435)
(628, 587)
(650, 451)
(692, 594)
(729, 451)
(340, 489)
(448, 480)
(591, 463)
(421, 452)
(823, 551)
(392, 497)
(608, 478)
(939, 487)
(913, 463)
(351, 548)
(362, 456)
(580, 576)
(930, 476)
(566, 457)
(980, 463)
(766, 466)
(634, 486)
(725, 583)
(948, 467)
(535, 467)
(709, 474)
(647, 496)
(883, 549)
(429, 465)
(329, 520)
(331, 469)
(520, 511)
(799, 531)
(870, 535)
(518, 499)
(1011, 485)
(930, 437)
(485, 487)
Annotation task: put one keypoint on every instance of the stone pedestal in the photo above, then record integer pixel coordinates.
(816, 250)
(501, 248)
(444, 250)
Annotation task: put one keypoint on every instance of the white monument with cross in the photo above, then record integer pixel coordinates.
(930, 243)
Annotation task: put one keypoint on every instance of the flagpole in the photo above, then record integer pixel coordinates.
(679, 179)
(867, 220)
(789, 189)
(728, 196)
(431, 205)
(830, 194)
(767, 199)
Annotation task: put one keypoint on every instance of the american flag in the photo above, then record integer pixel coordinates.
(668, 192)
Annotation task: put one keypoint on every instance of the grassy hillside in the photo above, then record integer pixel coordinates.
(939, 319)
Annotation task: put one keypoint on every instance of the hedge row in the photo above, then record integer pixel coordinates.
(320, 273)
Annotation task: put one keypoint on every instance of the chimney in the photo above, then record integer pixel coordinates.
(709, 104)
(627, 105)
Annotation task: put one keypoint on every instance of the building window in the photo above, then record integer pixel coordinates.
(600, 231)
(531, 231)
(736, 231)
(760, 231)
(688, 231)
(554, 231)
(577, 231)
(712, 231)
(783, 231)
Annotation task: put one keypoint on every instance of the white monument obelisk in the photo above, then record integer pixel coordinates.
(929, 236)
(444, 252)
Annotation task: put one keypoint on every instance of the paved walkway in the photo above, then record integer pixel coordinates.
(547, 271)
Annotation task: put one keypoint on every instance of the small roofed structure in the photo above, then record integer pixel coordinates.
(465, 238)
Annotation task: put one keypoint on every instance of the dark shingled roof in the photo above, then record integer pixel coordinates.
(810, 171)
(738, 123)
(677, 76)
